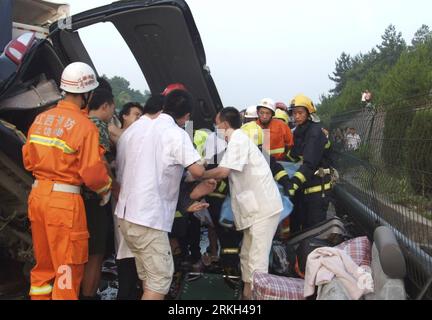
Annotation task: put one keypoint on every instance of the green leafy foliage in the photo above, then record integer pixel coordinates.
(400, 79)
(124, 94)
(419, 151)
(382, 70)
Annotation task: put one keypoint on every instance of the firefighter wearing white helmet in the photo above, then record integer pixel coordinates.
(251, 113)
(251, 128)
(62, 151)
(311, 184)
(256, 134)
(281, 139)
(79, 78)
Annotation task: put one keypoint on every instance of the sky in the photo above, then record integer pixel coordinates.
(274, 48)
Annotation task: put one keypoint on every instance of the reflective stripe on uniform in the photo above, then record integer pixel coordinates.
(277, 151)
(105, 188)
(39, 291)
(222, 186)
(285, 230)
(300, 176)
(280, 175)
(51, 142)
(325, 171)
(217, 195)
(317, 189)
(230, 250)
(290, 157)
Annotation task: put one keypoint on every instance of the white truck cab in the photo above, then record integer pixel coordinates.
(36, 16)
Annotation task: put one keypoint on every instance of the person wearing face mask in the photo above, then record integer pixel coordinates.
(310, 186)
(255, 198)
(150, 176)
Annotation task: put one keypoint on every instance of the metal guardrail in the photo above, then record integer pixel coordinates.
(386, 177)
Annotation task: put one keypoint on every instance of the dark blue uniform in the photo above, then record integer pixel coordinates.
(311, 184)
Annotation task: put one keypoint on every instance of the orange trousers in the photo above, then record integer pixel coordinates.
(60, 242)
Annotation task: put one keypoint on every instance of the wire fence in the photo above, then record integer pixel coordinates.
(383, 155)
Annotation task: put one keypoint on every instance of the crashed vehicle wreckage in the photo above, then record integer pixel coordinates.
(164, 39)
(167, 46)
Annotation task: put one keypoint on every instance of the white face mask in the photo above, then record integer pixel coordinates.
(187, 124)
(220, 132)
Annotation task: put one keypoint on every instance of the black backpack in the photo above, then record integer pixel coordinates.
(288, 261)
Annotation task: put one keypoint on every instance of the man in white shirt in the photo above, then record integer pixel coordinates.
(255, 198)
(353, 140)
(155, 154)
(125, 260)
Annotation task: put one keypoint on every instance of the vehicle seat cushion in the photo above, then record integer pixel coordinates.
(390, 255)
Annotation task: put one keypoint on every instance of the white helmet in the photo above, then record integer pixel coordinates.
(267, 103)
(251, 112)
(78, 77)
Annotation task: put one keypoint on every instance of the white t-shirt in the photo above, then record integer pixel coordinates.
(152, 157)
(121, 248)
(353, 141)
(254, 193)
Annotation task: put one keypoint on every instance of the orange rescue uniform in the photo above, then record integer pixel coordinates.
(62, 151)
(281, 138)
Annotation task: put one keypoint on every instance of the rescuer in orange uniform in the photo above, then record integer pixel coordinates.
(281, 138)
(62, 151)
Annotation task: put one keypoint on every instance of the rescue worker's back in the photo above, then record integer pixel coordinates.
(62, 145)
(62, 151)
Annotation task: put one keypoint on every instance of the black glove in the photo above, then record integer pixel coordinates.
(289, 189)
(291, 185)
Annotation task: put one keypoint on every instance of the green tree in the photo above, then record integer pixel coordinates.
(363, 71)
(418, 152)
(124, 94)
(422, 36)
(391, 47)
(343, 65)
(400, 79)
(410, 78)
(118, 83)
